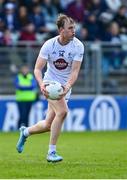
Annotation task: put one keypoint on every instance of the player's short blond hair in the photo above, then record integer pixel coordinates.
(61, 20)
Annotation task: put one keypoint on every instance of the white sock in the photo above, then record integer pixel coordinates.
(26, 132)
(52, 148)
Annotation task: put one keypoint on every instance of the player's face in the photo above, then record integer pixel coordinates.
(69, 30)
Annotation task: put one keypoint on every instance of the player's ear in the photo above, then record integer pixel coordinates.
(60, 29)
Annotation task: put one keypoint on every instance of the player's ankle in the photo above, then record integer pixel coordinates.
(26, 132)
(52, 148)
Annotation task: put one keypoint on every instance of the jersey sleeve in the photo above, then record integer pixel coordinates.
(79, 53)
(44, 51)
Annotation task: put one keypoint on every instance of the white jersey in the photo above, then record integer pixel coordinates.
(60, 57)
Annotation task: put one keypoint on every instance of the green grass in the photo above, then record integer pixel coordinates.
(86, 155)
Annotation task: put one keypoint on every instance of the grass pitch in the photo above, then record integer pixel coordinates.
(86, 155)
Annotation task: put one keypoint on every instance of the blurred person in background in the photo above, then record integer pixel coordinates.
(10, 16)
(64, 4)
(23, 17)
(50, 15)
(26, 94)
(121, 18)
(2, 29)
(76, 10)
(91, 24)
(113, 5)
(63, 55)
(8, 41)
(84, 34)
(1, 6)
(37, 18)
(29, 4)
(96, 7)
(58, 5)
(28, 33)
(115, 57)
(124, 2)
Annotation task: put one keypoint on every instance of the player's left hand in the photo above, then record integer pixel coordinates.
(65, 91)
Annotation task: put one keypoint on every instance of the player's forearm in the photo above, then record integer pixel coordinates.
(38, 76)
(74, 74)
(72, 79)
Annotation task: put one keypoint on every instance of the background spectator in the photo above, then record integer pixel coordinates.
(8, 41)
(26, 93)
(2, 28)
(76, 10)
(23, 17)
(116, 55)
(28, 33)
(121, 18)
(1, 6)
(37, 18)
(91, 24)
(92, 17)
(50, 14)
(97, 7)
(113, 5)
(64, 4)
(10, 17)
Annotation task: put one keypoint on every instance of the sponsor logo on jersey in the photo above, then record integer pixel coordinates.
(60, 64)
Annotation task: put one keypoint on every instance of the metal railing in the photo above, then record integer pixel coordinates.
(103, 69)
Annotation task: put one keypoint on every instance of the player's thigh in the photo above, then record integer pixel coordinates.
(50, 114)
(59, 105)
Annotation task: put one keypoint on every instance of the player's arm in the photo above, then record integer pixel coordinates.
(40, 64)
(76, 64)
(74, 73)
(73, 76)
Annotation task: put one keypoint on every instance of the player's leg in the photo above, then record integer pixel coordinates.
(40, 127)
(44, 125)
(60, 107)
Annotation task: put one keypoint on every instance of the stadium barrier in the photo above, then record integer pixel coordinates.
(95, 113)
(103, 70)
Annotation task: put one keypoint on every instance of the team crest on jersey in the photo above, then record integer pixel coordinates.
(61, 53)
(60, 64)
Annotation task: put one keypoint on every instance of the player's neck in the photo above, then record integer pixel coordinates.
(63, 41)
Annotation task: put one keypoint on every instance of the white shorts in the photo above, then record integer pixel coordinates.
(67, 97)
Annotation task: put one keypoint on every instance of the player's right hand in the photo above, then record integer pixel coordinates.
(43, 89)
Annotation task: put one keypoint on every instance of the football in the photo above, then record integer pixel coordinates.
(54, 89)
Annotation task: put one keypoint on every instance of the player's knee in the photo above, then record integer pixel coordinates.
(48, 126)
(40, 124)
(63, 113)
(44, 124)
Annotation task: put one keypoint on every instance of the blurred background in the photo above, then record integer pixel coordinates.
(101, 25)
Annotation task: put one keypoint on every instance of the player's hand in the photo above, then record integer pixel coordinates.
(65, 91)
(43, 89)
